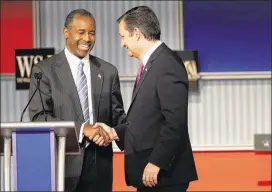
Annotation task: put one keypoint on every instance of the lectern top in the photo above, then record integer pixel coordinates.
(40, 124)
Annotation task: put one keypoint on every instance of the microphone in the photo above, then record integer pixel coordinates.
(38, 77)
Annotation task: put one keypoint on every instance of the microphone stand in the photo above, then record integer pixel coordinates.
(38, 86)
(36, 77)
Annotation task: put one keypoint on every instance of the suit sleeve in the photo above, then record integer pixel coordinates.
(118, 113)
(172, 89)
(35, 107)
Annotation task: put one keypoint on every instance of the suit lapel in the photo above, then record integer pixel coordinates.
(145, 72)
(97, 78)
(66, 78)
(143, 75)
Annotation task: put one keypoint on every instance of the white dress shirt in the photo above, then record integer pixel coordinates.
(73, 63)
(150, 51)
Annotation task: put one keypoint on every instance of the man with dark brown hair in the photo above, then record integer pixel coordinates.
(158, 153)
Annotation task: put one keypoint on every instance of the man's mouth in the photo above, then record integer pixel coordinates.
(84, 47)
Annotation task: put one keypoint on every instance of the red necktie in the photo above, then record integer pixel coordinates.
(139, 73)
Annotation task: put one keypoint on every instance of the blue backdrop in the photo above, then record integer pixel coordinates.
(230, 36)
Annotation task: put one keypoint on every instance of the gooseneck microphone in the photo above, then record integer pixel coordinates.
(38, 77)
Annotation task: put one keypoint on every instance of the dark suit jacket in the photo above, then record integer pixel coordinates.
(157, 122)
(62, 102)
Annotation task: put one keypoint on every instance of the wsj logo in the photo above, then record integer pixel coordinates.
(25, 59)
(25, 64)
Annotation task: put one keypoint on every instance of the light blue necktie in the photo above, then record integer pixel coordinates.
(82, 89)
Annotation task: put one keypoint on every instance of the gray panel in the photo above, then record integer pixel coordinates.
(12, 101)
(223, 114)
(262, 142)
(227, 113)
(53, 14)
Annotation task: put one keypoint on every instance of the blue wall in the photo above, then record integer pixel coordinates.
(231, 36)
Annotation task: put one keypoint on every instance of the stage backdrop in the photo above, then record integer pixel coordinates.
(230, 36)
(16, 32)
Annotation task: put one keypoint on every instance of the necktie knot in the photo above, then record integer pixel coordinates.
(80, 66)
(139, 72)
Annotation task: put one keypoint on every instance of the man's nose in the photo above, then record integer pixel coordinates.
(122, 44)
(86, 37)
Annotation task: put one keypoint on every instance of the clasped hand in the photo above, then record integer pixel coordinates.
(100, 133)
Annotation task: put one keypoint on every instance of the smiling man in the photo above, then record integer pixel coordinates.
(158, 152)
(80, 87)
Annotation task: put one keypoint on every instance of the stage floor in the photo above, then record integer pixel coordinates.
(217, 171)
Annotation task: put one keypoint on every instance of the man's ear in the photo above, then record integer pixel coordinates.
(65, 32)
(137, 33)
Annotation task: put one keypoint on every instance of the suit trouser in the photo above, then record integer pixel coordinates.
(97, 171)
(173, 188)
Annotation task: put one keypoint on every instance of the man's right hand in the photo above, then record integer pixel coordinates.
(91, 132)
(111, 132)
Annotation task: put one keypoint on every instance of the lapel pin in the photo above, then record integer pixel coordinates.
(99, 76)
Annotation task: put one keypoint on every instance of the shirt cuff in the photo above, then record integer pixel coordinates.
(115, 136)
(80, 138)
(81, 135)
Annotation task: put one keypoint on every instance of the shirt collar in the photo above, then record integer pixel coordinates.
(150, 51)
(74, 59)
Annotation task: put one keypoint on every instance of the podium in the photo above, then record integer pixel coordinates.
(38, 150)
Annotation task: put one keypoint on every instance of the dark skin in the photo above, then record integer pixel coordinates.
(80, 40)
(92, 132)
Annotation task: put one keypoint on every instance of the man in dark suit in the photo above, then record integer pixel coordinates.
(158, 153)
(80, 87)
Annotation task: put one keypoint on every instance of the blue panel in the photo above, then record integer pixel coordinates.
(231, 36)
(33, 161)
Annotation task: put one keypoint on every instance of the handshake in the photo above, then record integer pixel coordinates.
(100, 133)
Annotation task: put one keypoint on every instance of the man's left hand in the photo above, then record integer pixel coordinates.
(150, 175)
